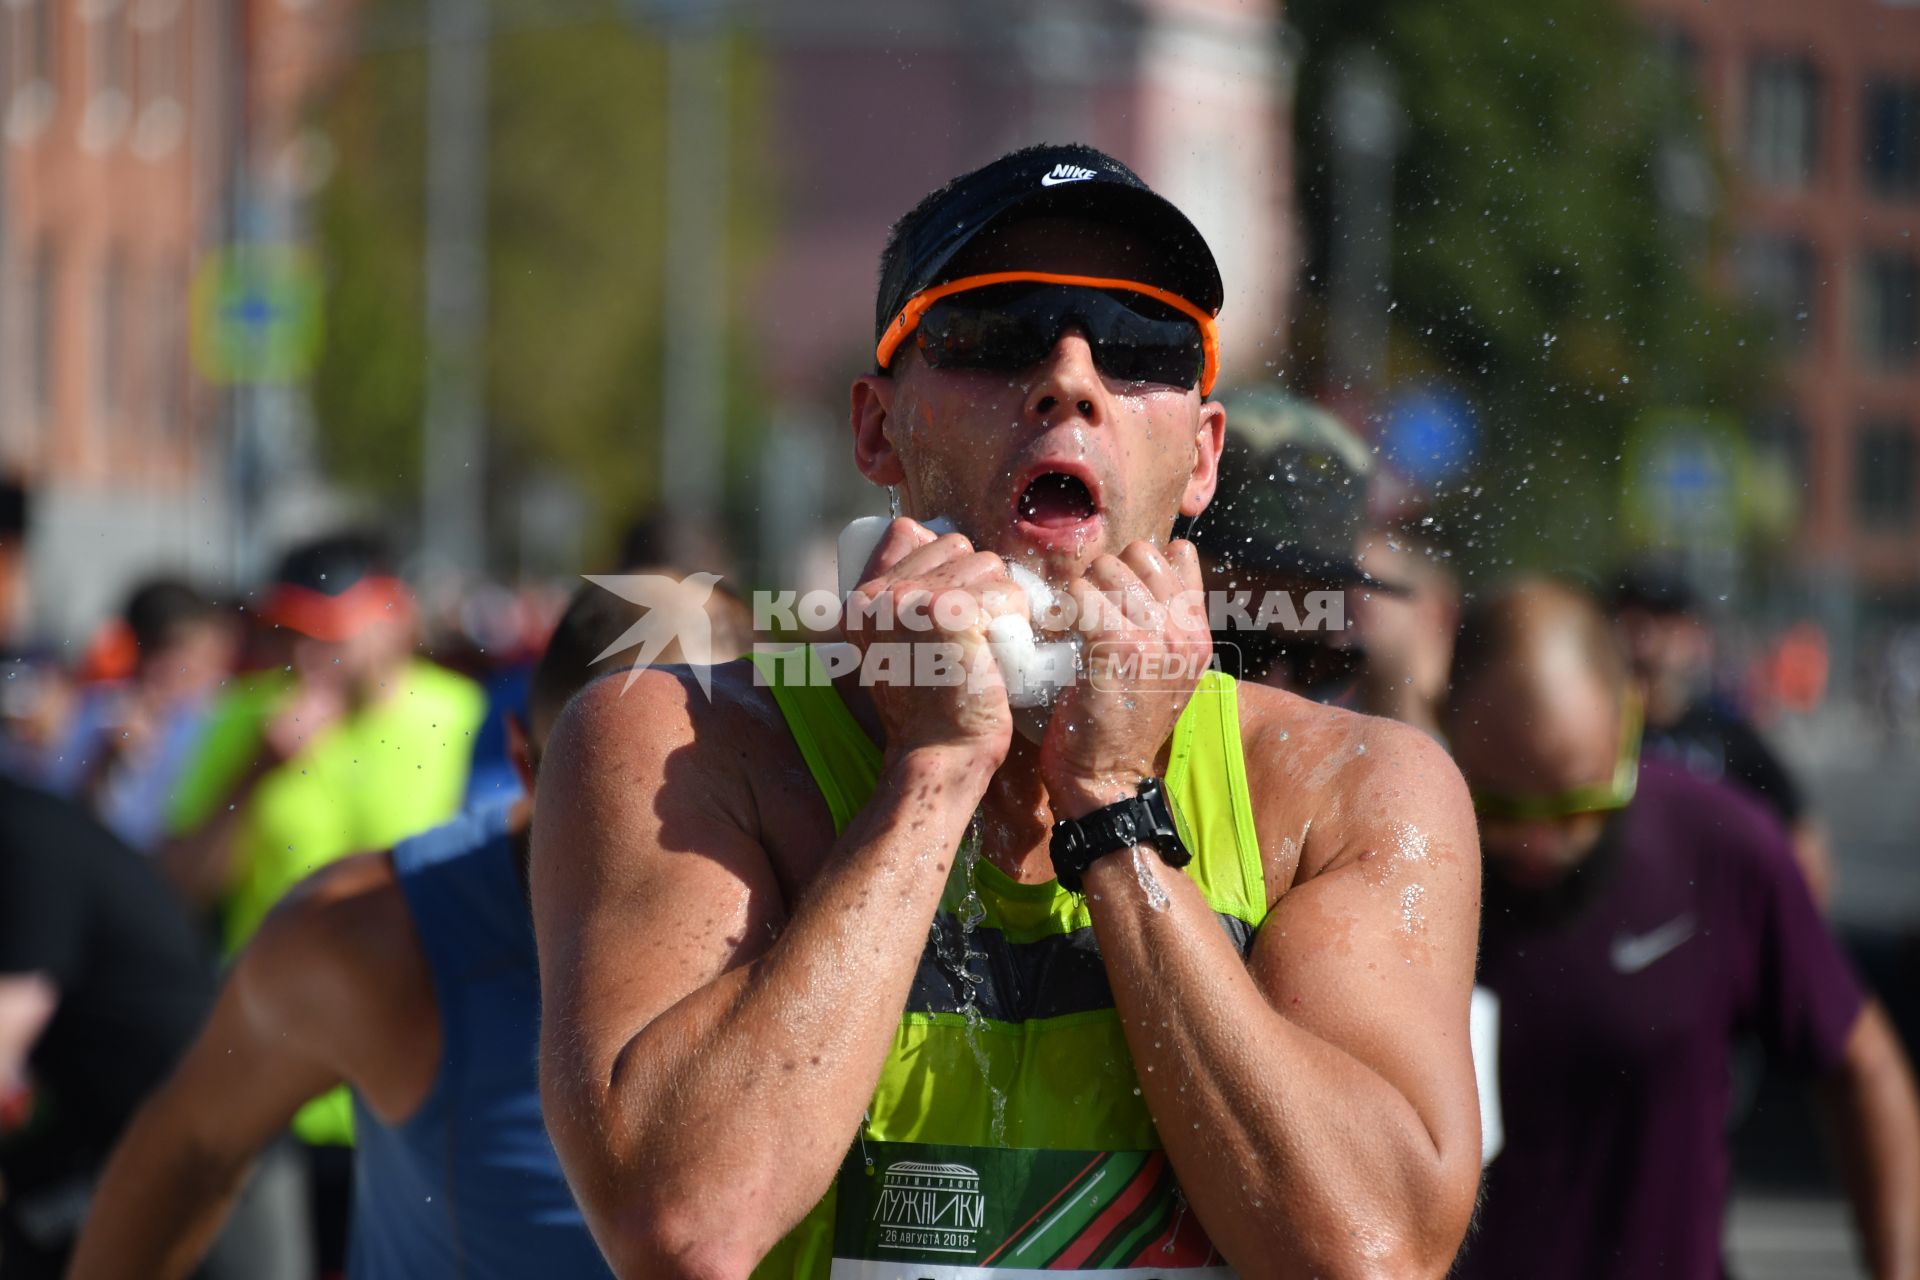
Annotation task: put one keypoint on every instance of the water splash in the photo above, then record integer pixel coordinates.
(1149, 883)
(1412, 919)
(956, 953)
(966, 966)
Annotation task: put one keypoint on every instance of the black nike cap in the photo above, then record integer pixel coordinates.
(1065, 180)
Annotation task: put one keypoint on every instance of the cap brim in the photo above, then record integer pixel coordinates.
(334, 619)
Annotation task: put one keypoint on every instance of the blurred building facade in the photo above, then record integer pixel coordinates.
(1817, 110)
(140, 136)
(875, 103)
(144, 139)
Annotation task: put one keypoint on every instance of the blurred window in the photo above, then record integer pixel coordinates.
(109, 329)
(42, 314)
(1884, 475)
(1891, 136)
(1780, 276)
(1889, 314)
(107, 104)
(1678, 51)
(167, 349)
(1783, 121)
(1780, 434)
(27, 36)
(161, 121)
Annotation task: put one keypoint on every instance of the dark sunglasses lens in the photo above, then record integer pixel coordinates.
(973, 331)
(1175, 364)
(1139, 339)
(1134, 339)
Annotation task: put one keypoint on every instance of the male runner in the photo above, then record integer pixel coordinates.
(790, 1021)
(1406, 632)
(1637, 919)
(409, 976)
(129, 740)
(1670, 647)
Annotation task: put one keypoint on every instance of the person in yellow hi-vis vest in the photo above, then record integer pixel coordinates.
(347, 742)
(876, 960)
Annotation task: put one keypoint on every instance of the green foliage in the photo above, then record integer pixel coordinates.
(576, 209)
(1533, 263)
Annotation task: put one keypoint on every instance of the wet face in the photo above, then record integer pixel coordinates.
(1516, 732)
(1052, 465)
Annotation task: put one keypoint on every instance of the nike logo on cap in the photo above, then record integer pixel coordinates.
(1066, 173)
(1631, 953)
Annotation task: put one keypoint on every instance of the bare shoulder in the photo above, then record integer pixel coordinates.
(337, 967)
(625, 722)
(1328, 785)
(654, 742)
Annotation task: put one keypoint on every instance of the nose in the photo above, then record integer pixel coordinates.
(1067, 377)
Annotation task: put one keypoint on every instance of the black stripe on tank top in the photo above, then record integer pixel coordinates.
(1015, 981)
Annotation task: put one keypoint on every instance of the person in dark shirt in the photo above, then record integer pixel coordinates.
(103, 983)
(1637, 919)
(1670, 651)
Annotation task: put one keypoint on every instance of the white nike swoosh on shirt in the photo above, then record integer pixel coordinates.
(1051, 181)
(1631, 953)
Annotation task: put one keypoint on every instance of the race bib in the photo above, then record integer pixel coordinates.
(912, 1211)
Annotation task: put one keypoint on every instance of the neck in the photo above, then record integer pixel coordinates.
(1666, 701)
(374, 690)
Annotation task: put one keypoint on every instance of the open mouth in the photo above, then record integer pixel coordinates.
(1056, 500)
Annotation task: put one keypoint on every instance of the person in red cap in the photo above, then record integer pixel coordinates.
(349, 742)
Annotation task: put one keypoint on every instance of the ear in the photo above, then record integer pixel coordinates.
(1210, 436)
(873, 396)
(520, 750)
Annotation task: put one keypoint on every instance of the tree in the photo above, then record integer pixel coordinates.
(577, 158)
(1537, 263)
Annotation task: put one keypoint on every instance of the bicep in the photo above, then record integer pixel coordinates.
(1376, 953)
(647, 888)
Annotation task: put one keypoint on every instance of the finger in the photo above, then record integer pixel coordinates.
(1190, 603)
(1152, 568)
(1088, 607)
(1123, 586)
(909, 547)
(1185, 559)
(974, 568)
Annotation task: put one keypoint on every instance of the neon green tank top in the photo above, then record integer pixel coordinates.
(1007, 1130)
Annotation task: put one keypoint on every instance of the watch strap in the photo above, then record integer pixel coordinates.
(1144, 818)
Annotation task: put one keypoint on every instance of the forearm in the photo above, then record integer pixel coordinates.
(200, 862)
(1298, 1158)
(1872, 1116)
(730, 1112)
(159, 1204)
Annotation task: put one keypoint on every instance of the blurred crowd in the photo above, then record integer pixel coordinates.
(167, 786)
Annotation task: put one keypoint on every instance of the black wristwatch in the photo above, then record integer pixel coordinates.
(1146, 818)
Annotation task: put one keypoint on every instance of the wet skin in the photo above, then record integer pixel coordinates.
(721, 975)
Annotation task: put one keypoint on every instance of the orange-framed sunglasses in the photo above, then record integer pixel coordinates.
(1003, 320)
